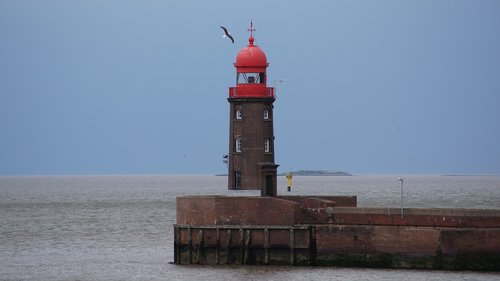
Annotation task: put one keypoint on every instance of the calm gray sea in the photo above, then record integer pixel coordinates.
(120, 227)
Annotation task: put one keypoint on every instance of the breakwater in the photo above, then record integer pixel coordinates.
(332, 231)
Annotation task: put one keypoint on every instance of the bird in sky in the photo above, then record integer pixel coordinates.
(227, 34)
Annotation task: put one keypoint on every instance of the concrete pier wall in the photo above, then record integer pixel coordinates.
(412, 217)
(247, 210)
(394, 246)
(340, 245)
(315, 231)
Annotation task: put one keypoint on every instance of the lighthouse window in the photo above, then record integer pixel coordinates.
(251, 78)
(266, 145)
(237, 179)
(238, 113)
(238, 145)
(266, 114)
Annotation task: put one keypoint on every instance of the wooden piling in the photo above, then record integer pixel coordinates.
(292, 246)
(190, 246)
(200, 244)
(176, 245)
(228, 245)
(266, 245)
(247, 244)
(241, 246)
(217, 246)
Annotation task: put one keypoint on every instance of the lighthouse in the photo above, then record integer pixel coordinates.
(251, 136)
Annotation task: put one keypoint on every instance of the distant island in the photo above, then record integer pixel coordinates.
(310, 173)
(316, 173)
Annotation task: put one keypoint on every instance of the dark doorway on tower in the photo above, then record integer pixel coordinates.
(237, 180)
(269, 185)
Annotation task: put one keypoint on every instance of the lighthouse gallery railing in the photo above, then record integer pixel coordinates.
(233, 92)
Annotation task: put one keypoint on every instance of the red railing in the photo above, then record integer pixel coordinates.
(245, 92)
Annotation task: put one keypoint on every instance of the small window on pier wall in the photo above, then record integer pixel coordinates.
(238, 114)
(251, 78)
(267, 146)
(266, 114)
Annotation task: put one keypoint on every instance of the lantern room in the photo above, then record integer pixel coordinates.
(251, 80)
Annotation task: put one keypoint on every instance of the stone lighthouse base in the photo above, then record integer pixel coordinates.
(331, 230)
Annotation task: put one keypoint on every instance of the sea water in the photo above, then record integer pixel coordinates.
(121, 227)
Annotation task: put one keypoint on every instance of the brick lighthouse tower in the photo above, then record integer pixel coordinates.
(251, 135)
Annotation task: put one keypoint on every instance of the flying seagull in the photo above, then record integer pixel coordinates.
(227, 34)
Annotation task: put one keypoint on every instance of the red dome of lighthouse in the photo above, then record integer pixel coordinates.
(251, 56)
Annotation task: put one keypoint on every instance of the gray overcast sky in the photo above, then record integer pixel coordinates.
(117, 87)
